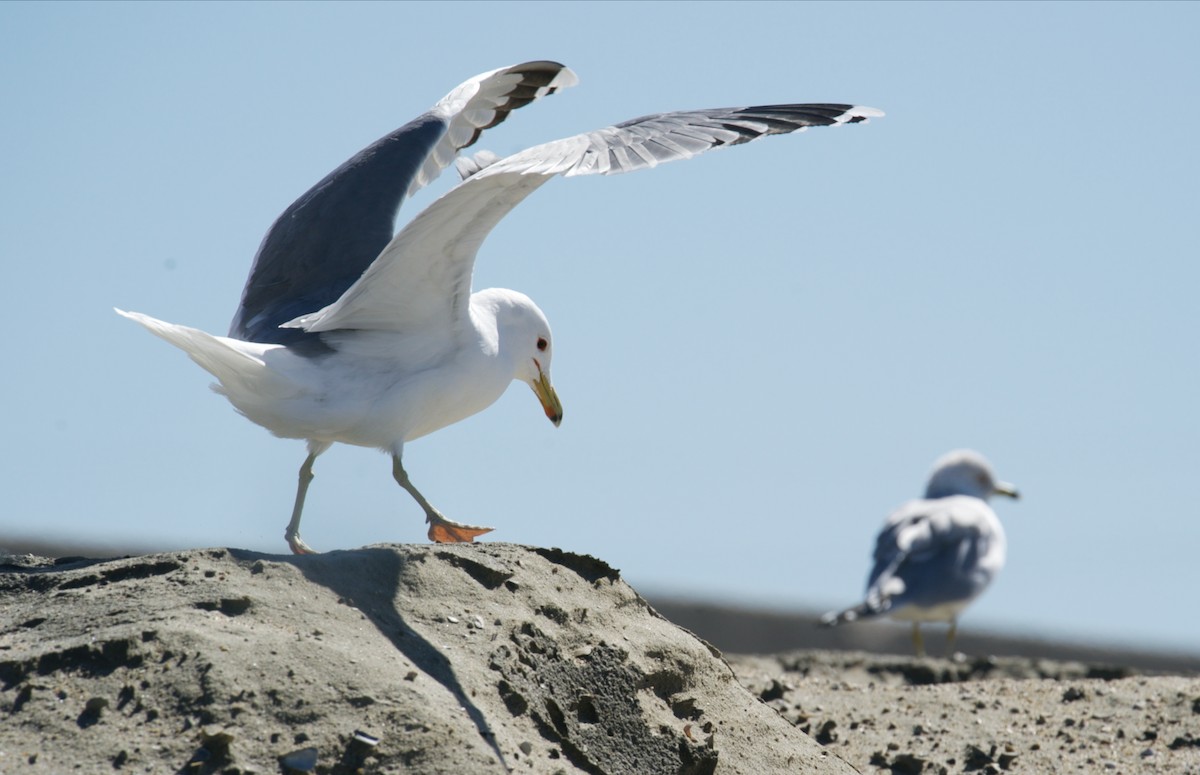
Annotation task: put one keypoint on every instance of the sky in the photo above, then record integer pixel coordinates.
(760, 351)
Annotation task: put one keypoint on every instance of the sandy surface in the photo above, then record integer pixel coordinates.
(986, 715)
(503, 658)
(432, 659)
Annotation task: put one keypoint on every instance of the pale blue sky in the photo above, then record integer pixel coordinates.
(760, 352)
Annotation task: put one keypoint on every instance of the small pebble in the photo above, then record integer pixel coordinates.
(303, 760)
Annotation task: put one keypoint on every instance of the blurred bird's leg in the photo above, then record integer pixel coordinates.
(918, 641)
(292, 534)
(950, 636)
(441, 530)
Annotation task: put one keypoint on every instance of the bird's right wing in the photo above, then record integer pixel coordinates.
(422, 279)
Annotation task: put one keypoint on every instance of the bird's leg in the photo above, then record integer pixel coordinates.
(918, 641)
(950, 636)
(441, 530)
(292, 534)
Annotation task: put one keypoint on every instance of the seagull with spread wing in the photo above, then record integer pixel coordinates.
(936, 554)
(348, 332)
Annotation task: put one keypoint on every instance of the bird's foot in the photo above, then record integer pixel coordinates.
(445, 531)
(297, 545)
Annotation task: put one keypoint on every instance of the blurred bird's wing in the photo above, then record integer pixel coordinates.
(928, 553)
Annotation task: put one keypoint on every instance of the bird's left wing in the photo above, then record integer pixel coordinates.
(328, 237)
(424, 275)
(482, 103)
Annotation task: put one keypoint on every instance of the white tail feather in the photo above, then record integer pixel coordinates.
(239, 371)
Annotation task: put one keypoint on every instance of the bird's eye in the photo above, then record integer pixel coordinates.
(542, 344)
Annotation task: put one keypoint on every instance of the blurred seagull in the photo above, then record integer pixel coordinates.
(937, 554)
(346, 333)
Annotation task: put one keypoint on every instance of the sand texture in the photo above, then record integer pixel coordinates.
(504, 658)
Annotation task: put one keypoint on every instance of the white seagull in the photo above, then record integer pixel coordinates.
(937, 554)
(346, 333)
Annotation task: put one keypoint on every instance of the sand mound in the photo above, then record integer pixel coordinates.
(432, 659)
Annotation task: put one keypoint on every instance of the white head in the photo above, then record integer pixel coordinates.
(524, 340)
(965, 472)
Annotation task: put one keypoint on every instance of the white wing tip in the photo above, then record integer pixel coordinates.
(565, 79)
(860, 114)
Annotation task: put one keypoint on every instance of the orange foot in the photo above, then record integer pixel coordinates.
(447, 532)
